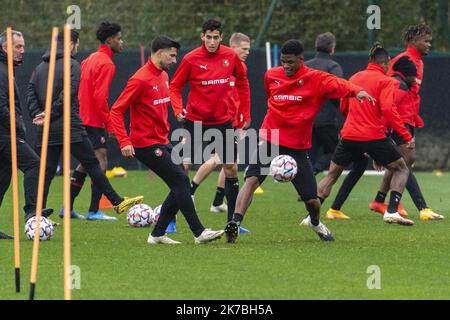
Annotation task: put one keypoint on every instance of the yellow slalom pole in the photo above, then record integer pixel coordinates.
(66, 161)
(43, 164)
(15, 184)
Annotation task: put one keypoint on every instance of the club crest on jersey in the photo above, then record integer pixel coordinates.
(158, 152)
(300, 82)
(226, 63)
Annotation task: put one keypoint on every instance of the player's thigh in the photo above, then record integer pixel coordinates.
(84, 153)
(305, 181)
(260, 159)
(97, 136)
(345, 153)
(382, 151)
(158, 158)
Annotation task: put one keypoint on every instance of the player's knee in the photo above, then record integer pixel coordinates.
(410, 159)
(187, 166)
(398, 166)
(230, 170)
(251, 182)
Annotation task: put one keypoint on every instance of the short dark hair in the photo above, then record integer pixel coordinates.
(378, 54)
(163, 42)
(293, 47)
(212, 25)
(325, 42)
(106, 30)
(405, 66)
(74, 36)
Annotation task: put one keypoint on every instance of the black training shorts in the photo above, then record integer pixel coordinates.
(97, 136)
(382, 151)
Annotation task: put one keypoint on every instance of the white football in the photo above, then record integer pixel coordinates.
(139, 215)
(283, 168)
(155, 215)
(45, 228)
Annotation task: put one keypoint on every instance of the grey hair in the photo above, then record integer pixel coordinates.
(325, 42)
(4, 38)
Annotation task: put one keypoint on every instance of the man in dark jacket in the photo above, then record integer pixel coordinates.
(325, 130)
(81, 147)
(27, 159)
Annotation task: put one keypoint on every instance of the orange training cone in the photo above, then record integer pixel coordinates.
(105, 203)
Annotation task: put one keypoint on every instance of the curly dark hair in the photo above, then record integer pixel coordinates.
(106, 30)
(414, 32)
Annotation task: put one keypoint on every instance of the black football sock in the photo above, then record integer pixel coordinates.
(394, 202)
(76, 184)
(414, 191)
(380, 197)
(96, 195)
(231, 192)
(322, 200)
(194, 187)
(220, 194)
(237, 217)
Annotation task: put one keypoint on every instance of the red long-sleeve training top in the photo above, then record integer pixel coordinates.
(147, 96)
(409, 111)
(97, 72)
(238, 116)
(209, 76)
(365, 122)
(293, 103)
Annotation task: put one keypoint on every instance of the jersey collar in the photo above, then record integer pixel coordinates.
(413, 52)
(105, 49)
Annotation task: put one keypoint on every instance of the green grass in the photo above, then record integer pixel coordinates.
(278, 260)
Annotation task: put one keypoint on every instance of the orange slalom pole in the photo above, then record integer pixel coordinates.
(66, 161)
(15, 184)
(43, 162)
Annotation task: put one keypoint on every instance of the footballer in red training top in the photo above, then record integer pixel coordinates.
(97, 72)
(208, 70)
(295, 95)
(147, 95)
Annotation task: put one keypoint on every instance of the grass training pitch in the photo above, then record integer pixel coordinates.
(277, 260)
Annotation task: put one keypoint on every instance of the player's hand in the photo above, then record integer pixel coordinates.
(364, 95)
(128, 151)
(377, 167)
(181, 116)
(246, 125)
(39, 119)
(411, 144)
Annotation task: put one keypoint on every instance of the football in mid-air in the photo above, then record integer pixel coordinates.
(139, 215)
(283, 168)
(45, 228)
